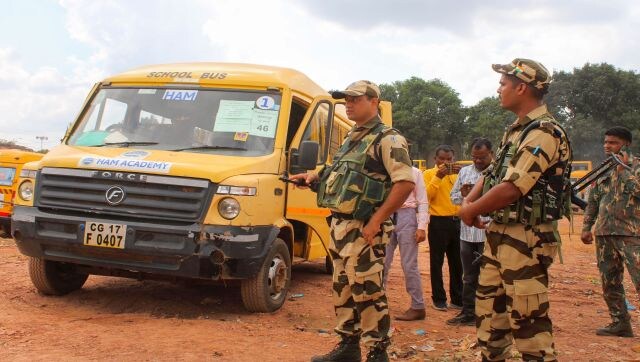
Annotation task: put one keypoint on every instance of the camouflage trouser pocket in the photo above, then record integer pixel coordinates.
(529, 297)
(368, 281)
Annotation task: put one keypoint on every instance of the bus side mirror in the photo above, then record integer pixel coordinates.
(308, 155)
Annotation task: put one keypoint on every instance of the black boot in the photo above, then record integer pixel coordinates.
(619, 329)
(378, 353)
(348, 350)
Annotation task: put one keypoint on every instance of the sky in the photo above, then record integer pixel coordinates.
(53, 51)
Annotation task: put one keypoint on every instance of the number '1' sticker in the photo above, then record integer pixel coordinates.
(265, 102)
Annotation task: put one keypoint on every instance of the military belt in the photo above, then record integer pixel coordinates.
(338, 215)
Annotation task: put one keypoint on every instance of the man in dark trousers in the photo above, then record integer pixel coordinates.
(471, 238)
(444, 229)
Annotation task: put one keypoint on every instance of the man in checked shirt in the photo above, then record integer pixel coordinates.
(410, 229)
(471, 238)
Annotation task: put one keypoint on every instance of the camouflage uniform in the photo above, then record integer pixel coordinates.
(614, 207)
(511, 299)
(359, 298)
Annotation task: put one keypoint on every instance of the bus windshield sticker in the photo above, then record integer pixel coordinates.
(180, 95)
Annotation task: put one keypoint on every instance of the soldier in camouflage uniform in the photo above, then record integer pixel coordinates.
(369, 179)
(614, 207)
(523, 190)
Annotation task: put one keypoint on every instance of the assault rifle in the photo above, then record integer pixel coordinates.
(591, 177)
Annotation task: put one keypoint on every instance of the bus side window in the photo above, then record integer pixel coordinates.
(298, 111)
(338, 133)
(319, 127)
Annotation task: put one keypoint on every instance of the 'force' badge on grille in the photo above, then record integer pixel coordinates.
(114, 195)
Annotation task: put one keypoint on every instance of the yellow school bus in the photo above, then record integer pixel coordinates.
(11, 162)
(578, 170)
(177, 170)
(420, 164)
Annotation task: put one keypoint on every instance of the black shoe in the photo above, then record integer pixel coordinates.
(462, 320)
(619, 329)
(378, 354)
(348, 350)
(441, 306)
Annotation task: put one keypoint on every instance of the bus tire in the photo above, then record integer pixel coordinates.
(328, 265)
(55, 278)
(267, 290)
(5, 231)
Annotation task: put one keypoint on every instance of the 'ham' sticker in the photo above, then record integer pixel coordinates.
(180, 95)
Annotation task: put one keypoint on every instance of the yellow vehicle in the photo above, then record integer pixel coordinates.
(579, 169)
(11, 161)
(420, 164)
(177, 170)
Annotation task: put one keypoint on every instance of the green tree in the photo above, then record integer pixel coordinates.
(487, 119)
(14, 145)
(428, 113)
(591, 99)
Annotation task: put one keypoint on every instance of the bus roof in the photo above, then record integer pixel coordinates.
(220, 74)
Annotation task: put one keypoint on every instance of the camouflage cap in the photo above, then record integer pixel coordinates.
(529, 71)
(359, 88)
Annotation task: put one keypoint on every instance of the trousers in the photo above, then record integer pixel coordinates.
(613, 253)
(359, 298)
(444, 239)
(404, 237)
(470, 274)
(512, 304)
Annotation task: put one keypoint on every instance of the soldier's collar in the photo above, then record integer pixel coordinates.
(370, 124)
(535, 113)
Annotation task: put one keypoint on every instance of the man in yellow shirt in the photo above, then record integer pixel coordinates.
(444, 229)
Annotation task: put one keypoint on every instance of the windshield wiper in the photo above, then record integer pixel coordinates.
(210, 148)
(127, 144)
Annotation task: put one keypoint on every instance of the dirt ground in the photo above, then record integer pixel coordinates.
(128, 320)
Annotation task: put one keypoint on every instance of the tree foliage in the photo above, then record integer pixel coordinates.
(428, 113)
(592, 99)
(586, 101)
(12, 144)
(487, 119)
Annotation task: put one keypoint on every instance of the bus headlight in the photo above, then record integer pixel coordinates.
(26, 190)
(229, 208)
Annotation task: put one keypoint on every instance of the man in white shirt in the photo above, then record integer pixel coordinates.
(410, 229)
(471, 238)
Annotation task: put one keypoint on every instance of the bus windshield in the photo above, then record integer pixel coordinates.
(229, 122)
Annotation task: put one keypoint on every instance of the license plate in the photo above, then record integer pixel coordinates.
(104, 235)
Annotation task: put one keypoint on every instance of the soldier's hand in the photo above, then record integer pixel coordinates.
(370, 231)
(587, 237)
(624, 157)
(307, 178)
(421, 235)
